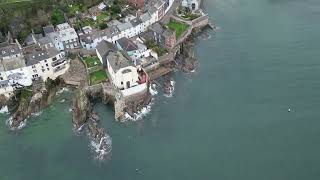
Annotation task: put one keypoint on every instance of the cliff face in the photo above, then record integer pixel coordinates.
(84, 118)
(29, 102)
(81, 108)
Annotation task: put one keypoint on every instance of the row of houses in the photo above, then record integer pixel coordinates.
(43, 56)
(21, 66)
(131, 27)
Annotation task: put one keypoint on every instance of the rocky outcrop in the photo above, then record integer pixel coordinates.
(29, 101)
(3, 101)
(81, 108)
(84, 118)
(136, 103)
(186, 59)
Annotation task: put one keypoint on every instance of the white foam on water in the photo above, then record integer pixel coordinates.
(140, 114)
(80, 128)
(21, 125)
(172, 83)
(4, 110)
(61, 91)
(153, 89)
(36, 114)
(102, 148)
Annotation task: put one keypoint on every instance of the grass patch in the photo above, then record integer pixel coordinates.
(98, 77)
(92, 61)
(178, 27)
(26, 93)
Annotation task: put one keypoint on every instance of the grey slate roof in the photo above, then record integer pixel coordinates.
(10, 50)
(145, 17)
(35, 54)
(104, 48)
(135, 22)
(127, 45)
(124, 26)
(48, 29)
(157, 27)
(118, 60)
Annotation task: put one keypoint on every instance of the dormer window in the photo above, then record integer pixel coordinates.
(3, 52)
(12, 50)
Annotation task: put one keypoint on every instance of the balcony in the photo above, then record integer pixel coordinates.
(58, 62)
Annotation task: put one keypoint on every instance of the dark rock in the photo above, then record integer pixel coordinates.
(81, 108)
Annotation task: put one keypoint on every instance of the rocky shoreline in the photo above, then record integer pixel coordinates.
(23, 104)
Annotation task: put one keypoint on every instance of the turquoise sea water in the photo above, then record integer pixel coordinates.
(229, 120)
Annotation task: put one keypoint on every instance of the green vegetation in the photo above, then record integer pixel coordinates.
(92, 61)
(50, 84)
(179, 27)
(151, 44)
(26, 93)
(98, 77)
(57, 17)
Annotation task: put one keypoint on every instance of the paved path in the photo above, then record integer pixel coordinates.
(76, 73)
(166, 18)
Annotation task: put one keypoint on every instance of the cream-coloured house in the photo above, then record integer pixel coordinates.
(122, 72)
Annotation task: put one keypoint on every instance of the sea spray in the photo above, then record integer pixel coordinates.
(171, 89)
(4, 110)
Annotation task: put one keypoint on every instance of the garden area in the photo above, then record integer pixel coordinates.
(95, 70)
(98, 77)
(92, 61)
(178, 27)
(187, 14)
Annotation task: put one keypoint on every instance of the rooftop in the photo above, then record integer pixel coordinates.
(127, 45)
(34, 54)
(10, 50)
(118, 60)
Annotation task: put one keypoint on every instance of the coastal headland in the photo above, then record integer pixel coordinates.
(90, 75)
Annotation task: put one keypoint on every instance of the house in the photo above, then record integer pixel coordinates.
(193, 5)
(146, 20)
(135, 50)
(68, 36)
(162, 36)
(89, 39)
(122, 72)
(13, 71)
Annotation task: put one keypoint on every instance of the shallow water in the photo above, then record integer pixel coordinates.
(228, 120)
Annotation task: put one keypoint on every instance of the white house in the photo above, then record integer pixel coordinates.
(68, 36)
(124, 75)
(135, 49)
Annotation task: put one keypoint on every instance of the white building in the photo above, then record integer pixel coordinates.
(68, 36)
(122, 72)
(20, 66)
(191, 4)
(135, 49)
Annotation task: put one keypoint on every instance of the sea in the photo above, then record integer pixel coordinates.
(251, 110)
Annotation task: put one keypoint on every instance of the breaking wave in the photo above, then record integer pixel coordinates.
(140, 114)
(102, 148)
(153, 89)
(4, 110)
(21, 125)
(171, 91)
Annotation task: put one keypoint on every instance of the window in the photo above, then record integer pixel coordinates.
(35, 71)
(33, 66)
(121, 83)
(1, 78)
(48, 69)
(45, 60)
(47, 65)
(53, 59)
(43, 70)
